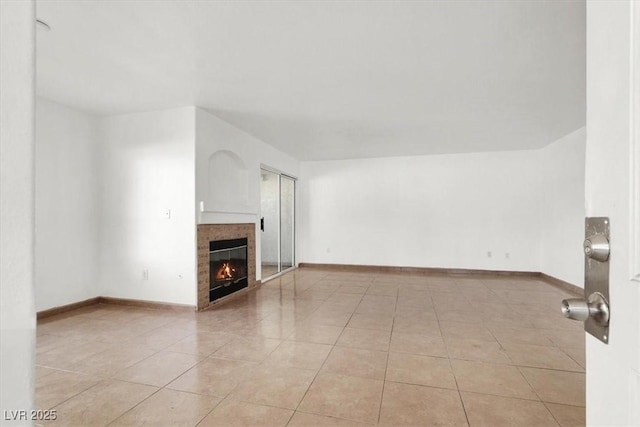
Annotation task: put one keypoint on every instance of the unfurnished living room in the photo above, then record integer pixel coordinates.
(320, 213)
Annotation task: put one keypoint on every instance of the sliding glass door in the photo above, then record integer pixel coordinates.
(287, 195)
(277, 222)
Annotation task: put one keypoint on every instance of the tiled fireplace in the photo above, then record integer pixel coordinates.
(210, 236)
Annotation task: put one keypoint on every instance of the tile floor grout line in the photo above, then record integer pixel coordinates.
(323, 362)
(455, 379)
(136, 405)
(386, 367)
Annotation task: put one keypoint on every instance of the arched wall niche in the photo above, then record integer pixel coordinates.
(228, 183)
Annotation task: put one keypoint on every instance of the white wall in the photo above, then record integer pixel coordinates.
(17, 309)
(444, 211)
(67, 218)
(562, 209)
(215, 135)
(147, 163)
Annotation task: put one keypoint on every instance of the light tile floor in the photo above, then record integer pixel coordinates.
(324, 347)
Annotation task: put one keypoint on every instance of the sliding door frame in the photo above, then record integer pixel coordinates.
(281, 174)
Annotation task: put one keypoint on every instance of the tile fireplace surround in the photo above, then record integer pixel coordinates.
(210, 232)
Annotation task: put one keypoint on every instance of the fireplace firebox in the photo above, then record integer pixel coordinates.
(227, 267)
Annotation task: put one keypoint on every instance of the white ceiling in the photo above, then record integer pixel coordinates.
(327, 79)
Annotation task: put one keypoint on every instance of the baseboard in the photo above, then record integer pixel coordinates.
(67, 307)
(427, 271)
(115, 301)
(146, 304)
(565, 286)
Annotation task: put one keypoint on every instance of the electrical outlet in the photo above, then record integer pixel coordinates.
(489, 254)
(145, 274)
(507, 255)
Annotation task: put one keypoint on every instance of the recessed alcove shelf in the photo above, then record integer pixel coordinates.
(228, 184)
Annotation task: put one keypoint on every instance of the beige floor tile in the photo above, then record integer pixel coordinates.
(302, 419)
(244, 414)
(102, 403)
(169, 408)
(417, 325)
(491, 411)
(408, 303)
(342, 396)
(42, 371)
(214, 376)
(48, 342)
(507, 335)
(202, 343)
(489, 378)
(574, 339)
(468, 331)
(368, 339)
(320, 334)
(356, 362)
(420, 315)
(456, 314)
(273, 329)
(307, 308)
(298, 354)
(112, 361)
(428, 345)
(412, 405)
(159, 369)
(63, 358)
(557, 386)
(316, 294)
(326, 316)
(476, 350)
(383, 289)
(578, 354)
(59, 386)
(371, 321)
(252, 348)
(374, 308)
(353, 289)
(380, 300)
(568, 416)
(282, 387)
(420, 370)
(413, 298)
(158, 339)
(541, 357)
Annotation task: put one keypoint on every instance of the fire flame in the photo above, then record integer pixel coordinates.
(225, 272)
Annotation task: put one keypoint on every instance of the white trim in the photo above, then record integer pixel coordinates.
(634, 129)
(221, 217)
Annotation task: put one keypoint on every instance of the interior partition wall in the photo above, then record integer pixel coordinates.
(277, 222)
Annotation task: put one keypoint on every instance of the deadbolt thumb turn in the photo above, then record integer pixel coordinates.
(593, 310)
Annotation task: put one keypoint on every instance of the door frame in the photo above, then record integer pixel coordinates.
(281, 174)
